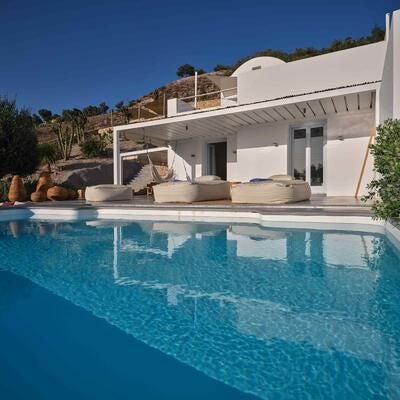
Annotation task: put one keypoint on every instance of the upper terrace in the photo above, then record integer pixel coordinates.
(268, 78)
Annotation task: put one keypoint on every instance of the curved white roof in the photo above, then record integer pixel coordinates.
(258, 63)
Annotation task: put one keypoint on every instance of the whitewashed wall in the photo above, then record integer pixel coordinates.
(344, 158)
(185, 150)
(348, 67)
(257, 155)
(389, 95)
(262, 151)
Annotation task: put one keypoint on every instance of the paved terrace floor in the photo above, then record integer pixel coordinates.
(318, 205)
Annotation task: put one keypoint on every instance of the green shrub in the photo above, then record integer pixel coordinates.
(385, 189)
(3, 190)
(18, 141)
(48, 153)
(96, 145)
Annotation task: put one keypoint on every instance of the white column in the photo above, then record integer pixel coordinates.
(195, 90)
(116, 157)
(395, 26)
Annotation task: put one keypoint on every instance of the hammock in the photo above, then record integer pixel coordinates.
(170, 174)
(156, 175)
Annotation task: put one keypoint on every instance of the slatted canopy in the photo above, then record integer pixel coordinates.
(227, 121)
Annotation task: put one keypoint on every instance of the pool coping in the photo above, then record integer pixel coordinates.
(320, 220)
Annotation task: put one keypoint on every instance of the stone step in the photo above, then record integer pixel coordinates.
(143, 178)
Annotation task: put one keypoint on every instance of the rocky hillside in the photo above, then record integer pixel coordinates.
(149, 106)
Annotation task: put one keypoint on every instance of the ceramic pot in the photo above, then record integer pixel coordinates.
(38, 196)
(17, 190)
(45, 182)
(57, 193)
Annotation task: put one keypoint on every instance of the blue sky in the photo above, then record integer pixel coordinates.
(62, 54)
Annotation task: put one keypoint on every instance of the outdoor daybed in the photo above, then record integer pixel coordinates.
(108, 193)
(203, 189)
(279, 189)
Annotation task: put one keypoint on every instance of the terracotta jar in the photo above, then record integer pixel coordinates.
(45, 182)
(57, 193)
(17, 190)
(38, 196)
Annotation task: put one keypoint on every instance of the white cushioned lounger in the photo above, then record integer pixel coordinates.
(189, 192)
(282, 189)
(108, 193)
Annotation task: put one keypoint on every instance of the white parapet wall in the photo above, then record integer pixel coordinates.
(342, 68)
(389, 95)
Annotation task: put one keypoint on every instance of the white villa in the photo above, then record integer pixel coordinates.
(312, 119)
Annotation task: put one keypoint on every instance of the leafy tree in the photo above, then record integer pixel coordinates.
(124, 110)
(103, 107)
(76, 119)
(90, 111)
(126, 113)
(222, 67)
(185, 70)
(78, 124)
(119, 105)
(385, 189)
(46, 115)
(36, 120)
(18, 141)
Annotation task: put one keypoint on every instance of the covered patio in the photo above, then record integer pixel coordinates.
(257, 137)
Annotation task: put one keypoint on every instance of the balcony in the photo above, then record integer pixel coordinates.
(226, 96)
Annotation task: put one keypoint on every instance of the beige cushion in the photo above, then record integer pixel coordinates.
(275, 192)
(108, 193)
(188, 192)
(206, 178)
(281, 177)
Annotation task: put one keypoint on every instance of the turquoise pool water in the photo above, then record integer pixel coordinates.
(175, 310)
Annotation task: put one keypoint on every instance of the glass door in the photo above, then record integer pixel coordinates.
(307, 156)
(211, 168)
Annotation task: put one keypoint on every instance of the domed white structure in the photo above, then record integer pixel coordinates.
(258, 63)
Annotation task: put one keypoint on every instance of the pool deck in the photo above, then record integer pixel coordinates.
(318, 205)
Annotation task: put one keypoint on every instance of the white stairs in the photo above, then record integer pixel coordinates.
(143, 178)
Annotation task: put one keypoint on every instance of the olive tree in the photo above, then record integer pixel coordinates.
(384, 190)
(18, 141)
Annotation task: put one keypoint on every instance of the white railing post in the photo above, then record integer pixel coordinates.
(116, 157)
(387, 26)
(195, 90)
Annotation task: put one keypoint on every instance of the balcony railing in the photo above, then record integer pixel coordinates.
(215, 99)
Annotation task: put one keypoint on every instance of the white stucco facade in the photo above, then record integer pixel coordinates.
(345, 93)
(263, 150)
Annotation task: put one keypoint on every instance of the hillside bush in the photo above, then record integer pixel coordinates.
(96, 145)
(48, 153)
(384, 190)
(18, 141)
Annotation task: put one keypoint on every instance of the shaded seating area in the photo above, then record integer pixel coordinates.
(108, 192)
(206, 188)
(278, 189)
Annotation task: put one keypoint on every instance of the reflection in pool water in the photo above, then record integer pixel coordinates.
(274, 312)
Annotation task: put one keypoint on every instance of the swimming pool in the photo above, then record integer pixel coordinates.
(170, 310)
